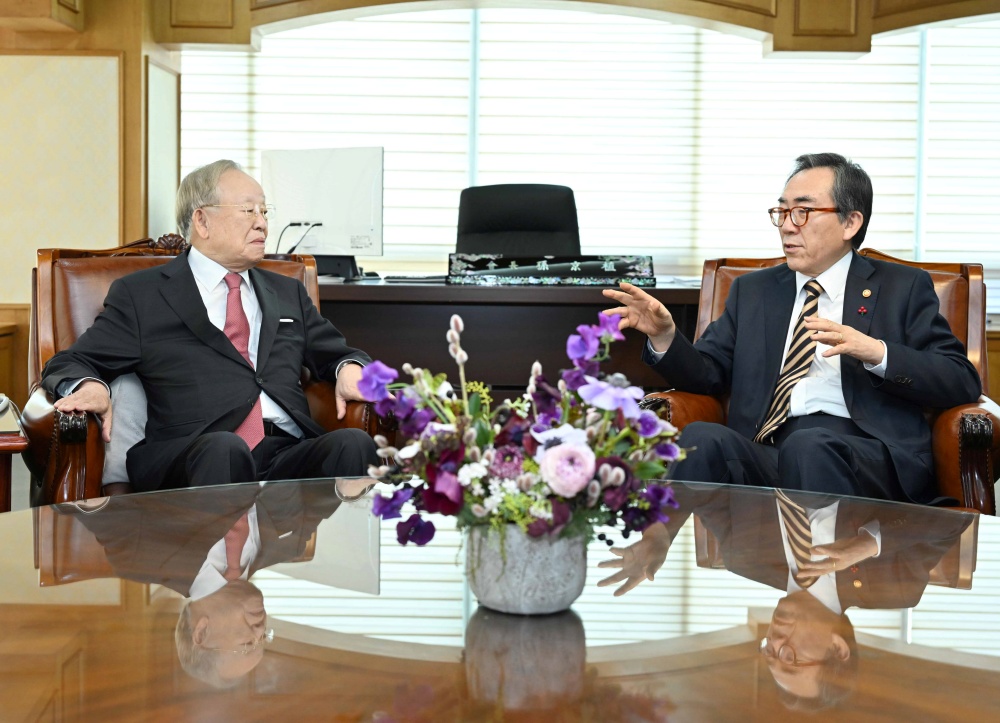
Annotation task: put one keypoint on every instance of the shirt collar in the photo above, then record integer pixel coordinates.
(209, 273)
(833, 280)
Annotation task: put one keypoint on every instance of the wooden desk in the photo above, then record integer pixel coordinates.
(506, 328)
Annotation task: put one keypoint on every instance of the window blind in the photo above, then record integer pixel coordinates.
(675, 139)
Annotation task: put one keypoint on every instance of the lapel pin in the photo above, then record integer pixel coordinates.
(862, 310)
(866, 293)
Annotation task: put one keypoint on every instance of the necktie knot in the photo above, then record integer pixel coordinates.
(813, 289)
(233, 280)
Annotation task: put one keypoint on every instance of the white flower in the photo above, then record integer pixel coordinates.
(541, 511)
(468, 473)
(536, 369)
(477, 489)
(409, 451)
(445, 391)
(492, 502)
(566, 434)
(510, 487)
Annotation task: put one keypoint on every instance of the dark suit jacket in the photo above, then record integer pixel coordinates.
(155, 324)
(740, 354)
(745, 522)
(165, 540)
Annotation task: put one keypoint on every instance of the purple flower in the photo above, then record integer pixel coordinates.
(414, 424)
(667, 450)
(608, 327)
(415, 530)
(574, 378)
(583, 345)
(659, 496)
(567, 468)
(615, 394)
(447, 484)
(507, 462)
(374, 378)
(649, 424)
(388, 507)
(546, 397)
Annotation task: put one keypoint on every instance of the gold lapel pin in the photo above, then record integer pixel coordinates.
(866, 293)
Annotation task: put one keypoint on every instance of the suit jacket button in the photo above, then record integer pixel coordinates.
(898, 378)
(260, 381)
(857, 583)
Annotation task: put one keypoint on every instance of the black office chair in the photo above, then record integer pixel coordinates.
(518, 219)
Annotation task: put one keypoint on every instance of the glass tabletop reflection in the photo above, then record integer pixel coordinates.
(137, 604)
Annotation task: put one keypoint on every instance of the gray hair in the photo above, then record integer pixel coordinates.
(198, 189)
(852, 188)
(195, 660)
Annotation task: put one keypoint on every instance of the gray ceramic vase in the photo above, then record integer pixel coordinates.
(530, 576)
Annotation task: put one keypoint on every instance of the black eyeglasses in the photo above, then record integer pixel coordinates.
(799, 214)
(786, 654)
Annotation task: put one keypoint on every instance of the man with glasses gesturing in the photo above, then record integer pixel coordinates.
(829, 359)
(218, 346)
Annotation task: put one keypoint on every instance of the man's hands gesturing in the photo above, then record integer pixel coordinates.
(642, 312)
(638, 562)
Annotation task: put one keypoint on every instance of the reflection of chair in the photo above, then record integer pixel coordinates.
(954, 569)
(66, 550)
(966, 439)
(518, 219)
(68, 290)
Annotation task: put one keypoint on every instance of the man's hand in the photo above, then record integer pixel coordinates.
(642, 312)
(347, 388)
(638, 562)
(840, 555)
(845, 340)
(93, 397)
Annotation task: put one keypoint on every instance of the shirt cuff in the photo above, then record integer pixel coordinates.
(879, 369)
(653, 354)
(874, 529)
(70, 385)
(346, 362)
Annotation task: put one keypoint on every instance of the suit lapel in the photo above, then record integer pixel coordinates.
(270, 313)
(859, 309)
(182, 295)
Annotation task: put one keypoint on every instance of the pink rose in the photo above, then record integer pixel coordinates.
(567, 468)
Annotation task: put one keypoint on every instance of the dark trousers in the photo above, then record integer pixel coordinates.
(815, 453)
(223, 457)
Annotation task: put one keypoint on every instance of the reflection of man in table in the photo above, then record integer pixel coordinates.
(205, 544)
(829, 555)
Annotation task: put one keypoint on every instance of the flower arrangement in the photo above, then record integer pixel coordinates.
(561, 459)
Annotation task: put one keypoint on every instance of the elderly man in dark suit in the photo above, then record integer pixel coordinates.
(218, 346)
(829, 360)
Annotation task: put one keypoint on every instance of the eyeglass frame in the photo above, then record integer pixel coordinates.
(265, 639)
(765, 644)
(787, 212)
(251, 211)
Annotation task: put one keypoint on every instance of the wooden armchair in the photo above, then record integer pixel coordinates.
(66, 455)
(966, 439)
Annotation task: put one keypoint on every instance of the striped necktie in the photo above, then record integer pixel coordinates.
(797, 362)
(799, 534)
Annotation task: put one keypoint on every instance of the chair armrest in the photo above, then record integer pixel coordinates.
(65, 455)
(966, 443)
(322, 401)
(682, 408)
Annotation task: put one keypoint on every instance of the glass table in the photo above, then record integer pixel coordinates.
(111, 614)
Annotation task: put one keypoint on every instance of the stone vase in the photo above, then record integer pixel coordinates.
(516, 573)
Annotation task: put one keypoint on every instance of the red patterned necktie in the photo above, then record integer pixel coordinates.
(797, 362)
(237, 328)
(235, 540)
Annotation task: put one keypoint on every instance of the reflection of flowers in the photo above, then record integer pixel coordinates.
(564, 457)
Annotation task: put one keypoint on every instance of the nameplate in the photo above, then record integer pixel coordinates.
(500, 270)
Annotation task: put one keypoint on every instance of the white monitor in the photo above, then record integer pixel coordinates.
(340, 188)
